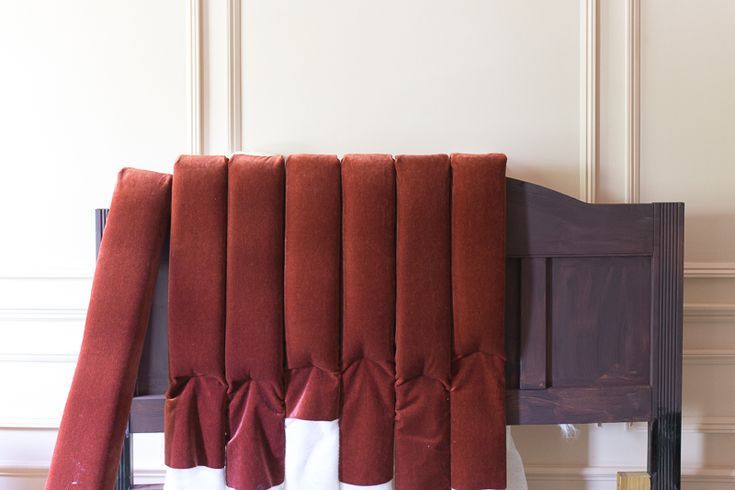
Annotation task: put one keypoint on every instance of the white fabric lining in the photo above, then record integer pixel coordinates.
(382, 486)
(197, 478)
(312, 454)
(312, 463)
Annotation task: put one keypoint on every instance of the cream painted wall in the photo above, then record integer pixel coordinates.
(610, 100)
(85, 88)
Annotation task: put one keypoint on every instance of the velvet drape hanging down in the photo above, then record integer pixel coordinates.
(332, 324)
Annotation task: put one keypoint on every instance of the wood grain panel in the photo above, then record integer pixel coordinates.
(545, 223)
(600, 309)
(582, 405)
(533, 324)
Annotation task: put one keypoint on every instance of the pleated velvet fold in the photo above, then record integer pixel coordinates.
(478, 302)
(312, 320)
(254, 333)
(423, 323)
(87, 451)
(195, 404)
(368, 319)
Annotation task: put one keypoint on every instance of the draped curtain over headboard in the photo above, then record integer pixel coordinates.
(332, 325)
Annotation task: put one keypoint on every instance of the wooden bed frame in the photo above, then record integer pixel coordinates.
(593, 322)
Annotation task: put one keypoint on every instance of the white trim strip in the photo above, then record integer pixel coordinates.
(717, 357)
(194, 69)
(632, 102)
(43, 314)
(589, 127)
(709, 270)
(234, 76)
(709, 312)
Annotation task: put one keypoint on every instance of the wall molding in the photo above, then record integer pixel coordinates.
(708, 425)
(37, 358)
(20, 469)
(589, 124)
(61, 274)
(709, 312)
(43, 314)
(632, 101)
(709, 270)
(704, 424)
(30, 423)
(195, 89)
(609, 473)
(234, 76)
(533, 473)
(716, 357)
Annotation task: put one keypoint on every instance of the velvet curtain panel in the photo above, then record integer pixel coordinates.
(87, 451)
(332, 324)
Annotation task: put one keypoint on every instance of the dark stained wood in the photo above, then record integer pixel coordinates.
(601, 321)
(664, 439)
(512, 323)
(146, 414)
(545, 223)
(533, 324)
(583, 405)
(153, 372)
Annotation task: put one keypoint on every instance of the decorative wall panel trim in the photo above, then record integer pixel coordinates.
(709, 425)
(704, 424)
(709, 312)
(195, 76)
(234, 76)
(709, 270)
(540, 473)
(30, 423)
(535, 473)
(719, 357)
(20, 469)
(589, 125)
(632, 101)
(36, 357)
(64, 274)
(42, 314)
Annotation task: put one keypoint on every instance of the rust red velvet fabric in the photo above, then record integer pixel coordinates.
(368, 368)
(370, 291)
(477, 402)
(312, 286)
(196, 401)
(90, 438)
(254, 334)
(423, 322)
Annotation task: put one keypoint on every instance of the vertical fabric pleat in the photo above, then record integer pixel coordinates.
(423, 323)
(87, 451)
(368, 369)
(478, 301)
(254, 332)
(195, 405)
(312, 319)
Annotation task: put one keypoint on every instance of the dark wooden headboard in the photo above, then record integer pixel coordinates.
(593, 321)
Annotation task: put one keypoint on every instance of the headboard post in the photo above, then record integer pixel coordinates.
(664, 451)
